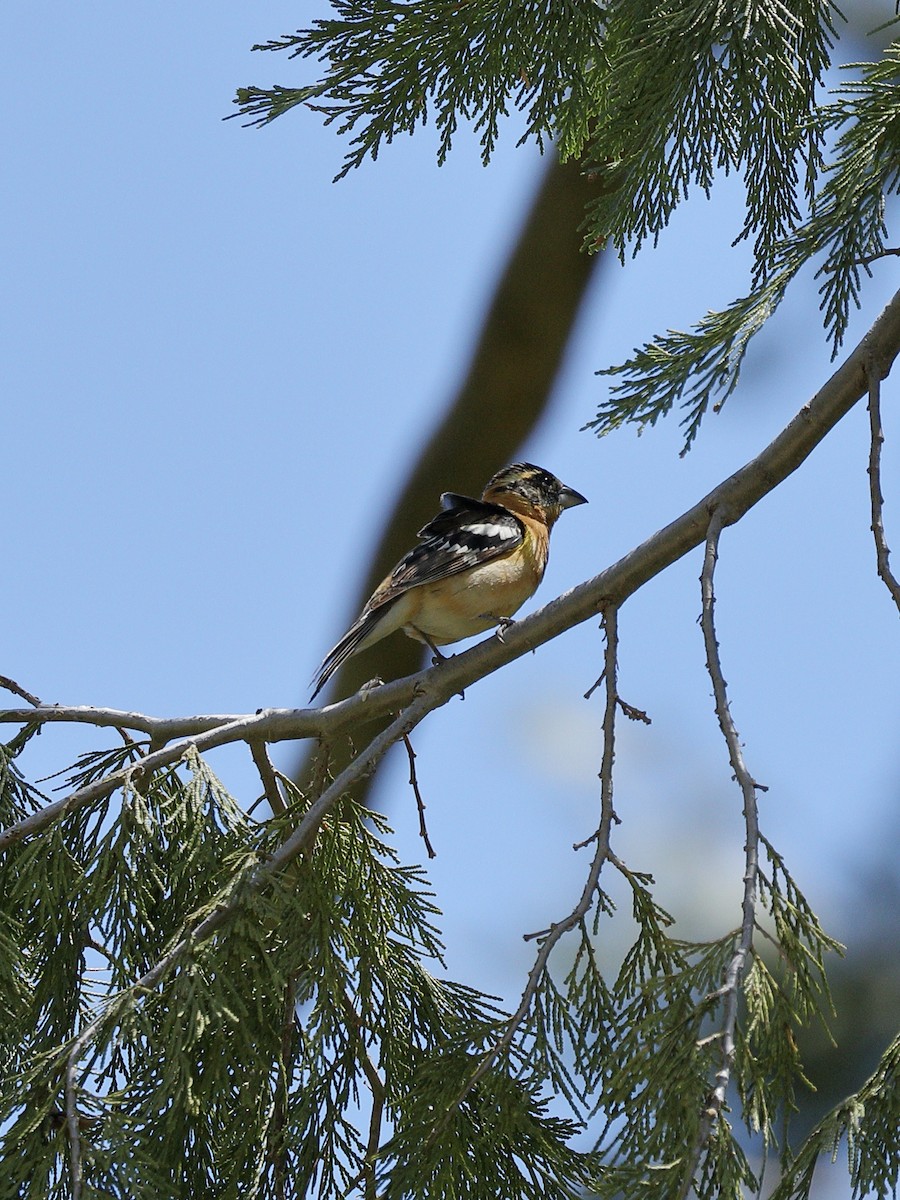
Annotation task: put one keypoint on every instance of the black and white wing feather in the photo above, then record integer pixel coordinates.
(469, 532)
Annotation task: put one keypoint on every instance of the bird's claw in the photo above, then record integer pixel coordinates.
(369, 687)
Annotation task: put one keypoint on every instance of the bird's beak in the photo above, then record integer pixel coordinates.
(568, 497)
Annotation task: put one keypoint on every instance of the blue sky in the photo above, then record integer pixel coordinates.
(216, 365)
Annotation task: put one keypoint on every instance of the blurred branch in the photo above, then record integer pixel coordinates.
(504, 394)
(417, 695)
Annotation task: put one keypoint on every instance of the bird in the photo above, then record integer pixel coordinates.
(476, 564)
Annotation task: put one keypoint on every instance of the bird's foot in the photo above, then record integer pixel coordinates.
(503, 624)
(437, 657)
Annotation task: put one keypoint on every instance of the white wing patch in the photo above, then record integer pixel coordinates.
(496, 532)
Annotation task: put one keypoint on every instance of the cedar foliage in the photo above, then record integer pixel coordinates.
(312, 1045)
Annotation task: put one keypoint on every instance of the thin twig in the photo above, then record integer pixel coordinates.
(10, 685)
(632, 713)
(318, 781)
(594, 686)
(729, 993)
(602, 854)
(420, 803)
(268, 777)
(882, 551)
(887, 252)
(164, 729)
(73, 1125)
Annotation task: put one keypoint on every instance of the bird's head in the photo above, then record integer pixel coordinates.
(531, 491)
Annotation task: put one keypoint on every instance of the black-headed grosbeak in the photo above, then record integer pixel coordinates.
(477, 564)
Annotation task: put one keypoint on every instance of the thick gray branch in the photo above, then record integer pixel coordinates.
(430, 689)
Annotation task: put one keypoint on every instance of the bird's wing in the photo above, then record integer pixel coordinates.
(468, 533)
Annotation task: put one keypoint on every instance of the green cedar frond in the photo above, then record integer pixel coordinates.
(670, 94)
(393, 66)
(691, 366)
(18, 797)
(95, 764)
(870, 1122)
(781, 998)
(499, 1141)
(848, 219)
(655, 101)
(844, 233)
(267, 1050)
(800, 937)
(695, 89)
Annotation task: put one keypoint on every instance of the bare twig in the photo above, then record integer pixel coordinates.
(420, 803)
(632, 713)
(552, 936)
(161, 729)
(376, 1087)
(268, 777)
(594, 686)
(317, 780)
(887, 252)
(629, 710)
(882, 551)
(729, 993)
(10, 685)
(73, 1126)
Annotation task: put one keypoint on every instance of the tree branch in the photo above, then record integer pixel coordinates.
(729, 993)
(159, 729)
(267, 777)
(11, 686)
(419, 694)
(882, 551)
(602, 854)
(420, 803)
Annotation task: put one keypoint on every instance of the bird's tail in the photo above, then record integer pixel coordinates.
(347, 646)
